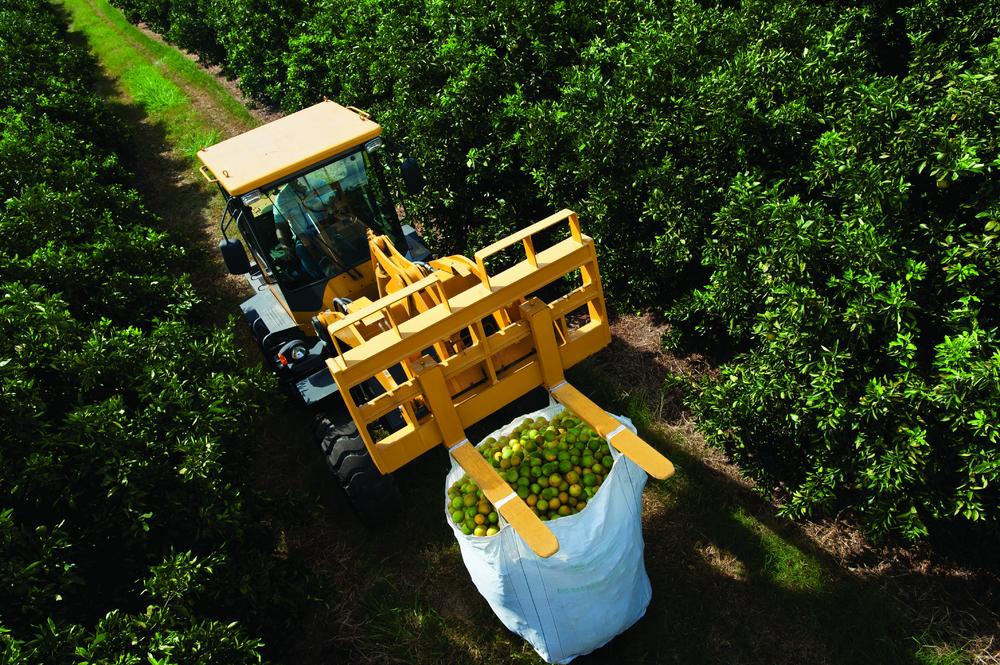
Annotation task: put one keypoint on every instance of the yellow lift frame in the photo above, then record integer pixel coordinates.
(476, 373)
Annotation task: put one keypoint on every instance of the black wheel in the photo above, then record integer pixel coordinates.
(372, 495)
(270, 344)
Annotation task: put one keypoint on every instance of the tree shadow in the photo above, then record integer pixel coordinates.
(734, 584)
(731, 582)
(178, 202)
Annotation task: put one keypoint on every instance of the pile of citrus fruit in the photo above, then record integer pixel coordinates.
(555, 465)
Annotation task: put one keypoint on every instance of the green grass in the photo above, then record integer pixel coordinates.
(194, 141)
(176, 110)
(941, 655)
(165, 57)
(156, 77)
(784, 564)
(147, 86)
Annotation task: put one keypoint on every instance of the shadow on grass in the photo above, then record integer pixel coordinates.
(738, 584)
(179, 203)
(731, 583)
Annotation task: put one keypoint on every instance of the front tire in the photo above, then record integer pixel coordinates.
(372, 495)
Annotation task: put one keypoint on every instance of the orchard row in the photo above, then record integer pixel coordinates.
(807, 190)
(123, 533)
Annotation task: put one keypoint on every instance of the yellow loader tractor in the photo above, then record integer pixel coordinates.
(398, 352)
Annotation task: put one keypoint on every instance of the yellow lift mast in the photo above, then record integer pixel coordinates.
(425, 349)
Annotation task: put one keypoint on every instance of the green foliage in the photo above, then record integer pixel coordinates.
(121, 417)
(816, 183)
(866, 304)
(167, 632)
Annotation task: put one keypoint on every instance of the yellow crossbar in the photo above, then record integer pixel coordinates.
(524, 236)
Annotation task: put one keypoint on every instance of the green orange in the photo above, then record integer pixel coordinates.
(555, 466)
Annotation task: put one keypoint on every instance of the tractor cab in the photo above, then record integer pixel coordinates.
(303, 193)
(314, 226)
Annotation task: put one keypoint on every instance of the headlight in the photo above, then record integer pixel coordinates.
(250, 197)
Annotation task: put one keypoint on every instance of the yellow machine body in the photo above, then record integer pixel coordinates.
(468, 342)
(475, 372)
(287, 145)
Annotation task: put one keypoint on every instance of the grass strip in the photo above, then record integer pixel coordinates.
(164, 57)
(783, 563)
(147, 84)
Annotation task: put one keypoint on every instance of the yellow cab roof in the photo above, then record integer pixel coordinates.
(284, 146)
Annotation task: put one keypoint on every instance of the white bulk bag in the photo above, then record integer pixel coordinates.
(589, 591)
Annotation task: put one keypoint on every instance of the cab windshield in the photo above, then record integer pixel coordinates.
(315, 225)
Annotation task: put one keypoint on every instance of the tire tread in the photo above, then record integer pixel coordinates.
(372, 495)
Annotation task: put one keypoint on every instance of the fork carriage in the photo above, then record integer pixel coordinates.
(466, 355)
